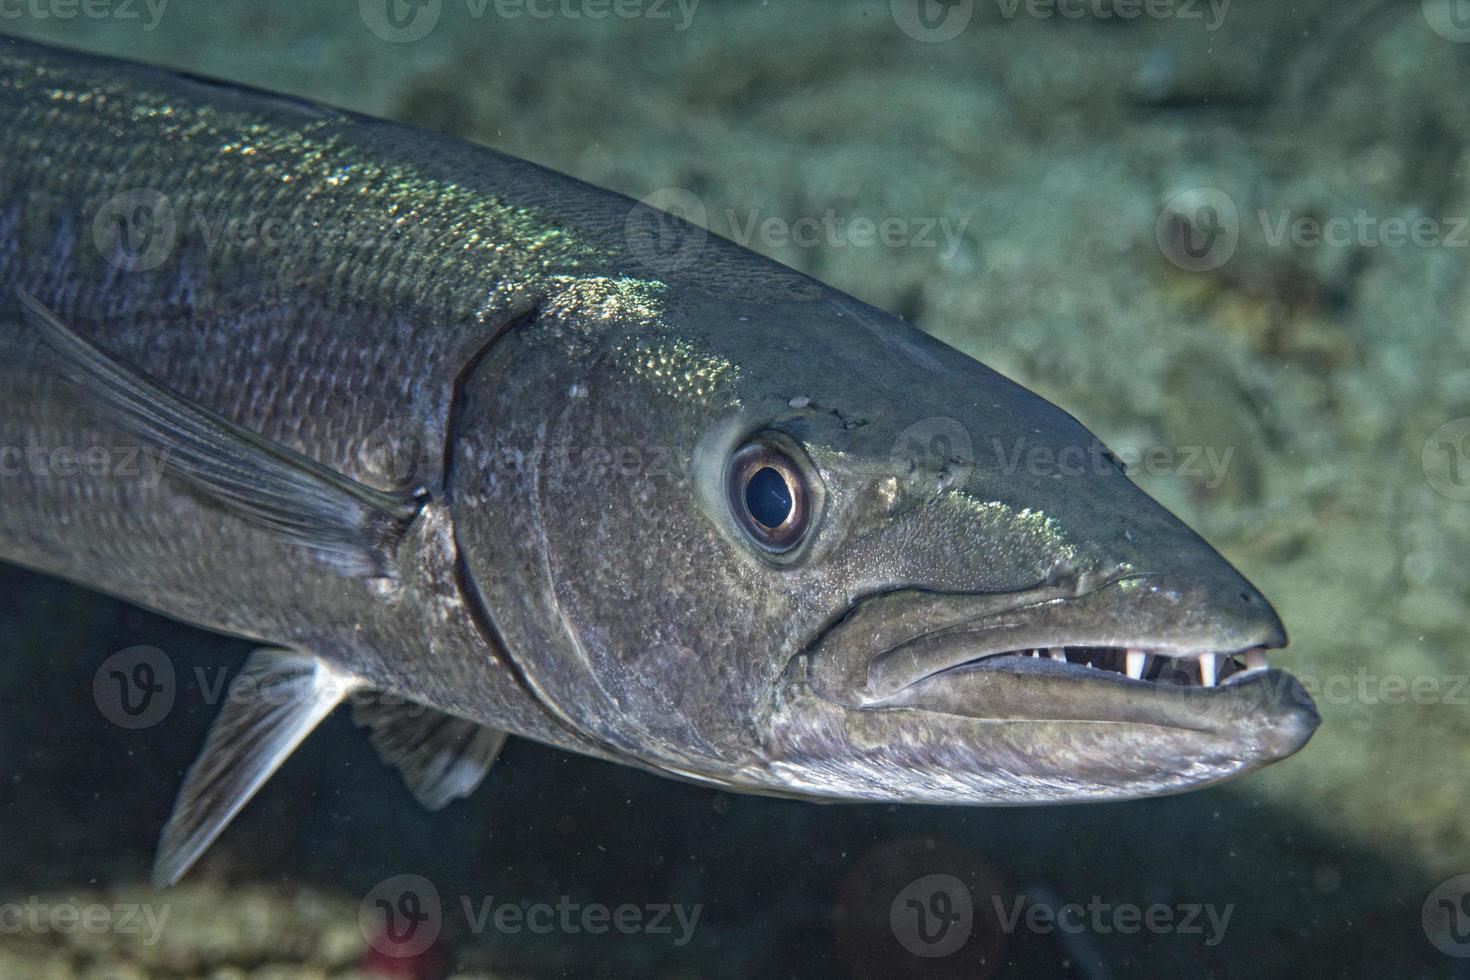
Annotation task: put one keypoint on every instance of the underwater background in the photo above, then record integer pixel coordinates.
(1230, 237)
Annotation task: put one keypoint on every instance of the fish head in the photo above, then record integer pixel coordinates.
(802, 548)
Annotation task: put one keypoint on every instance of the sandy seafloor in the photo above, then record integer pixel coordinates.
(1324, 368)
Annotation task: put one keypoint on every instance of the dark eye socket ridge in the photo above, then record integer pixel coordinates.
(769, 496)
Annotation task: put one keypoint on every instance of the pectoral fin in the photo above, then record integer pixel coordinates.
(442, 758)
(351, 527)
(273, 703)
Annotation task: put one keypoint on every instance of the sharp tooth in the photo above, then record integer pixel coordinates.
(1057, 655)
(1207, 665)
(1255, 659)
(1134, 662)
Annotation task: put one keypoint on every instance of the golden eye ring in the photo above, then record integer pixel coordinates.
(769, 496)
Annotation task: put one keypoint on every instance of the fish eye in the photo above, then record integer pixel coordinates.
(769, 496)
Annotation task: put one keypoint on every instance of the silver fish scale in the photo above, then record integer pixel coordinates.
(360, 278)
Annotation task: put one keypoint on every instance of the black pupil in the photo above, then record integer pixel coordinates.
(768, 498)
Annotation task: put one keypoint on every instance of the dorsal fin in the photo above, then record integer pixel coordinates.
(442, 758)
(351, 527)
(275, 701)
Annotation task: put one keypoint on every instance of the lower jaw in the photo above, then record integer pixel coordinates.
(961, 761)
(1260, 708)
(1011, 749)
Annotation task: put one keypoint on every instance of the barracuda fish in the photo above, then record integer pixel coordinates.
(486, 450)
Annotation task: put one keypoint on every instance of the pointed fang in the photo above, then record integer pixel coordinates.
(1207, 668)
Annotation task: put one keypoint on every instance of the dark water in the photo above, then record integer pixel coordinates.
(1327, 347)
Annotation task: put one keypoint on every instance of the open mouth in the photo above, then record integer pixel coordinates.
(1135, 687)
(1155, 667)
(1133, 632)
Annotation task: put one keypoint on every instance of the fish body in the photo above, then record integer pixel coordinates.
(443, 426)
(371, 346)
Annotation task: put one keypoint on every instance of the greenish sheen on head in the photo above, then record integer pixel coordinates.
(786, 547)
